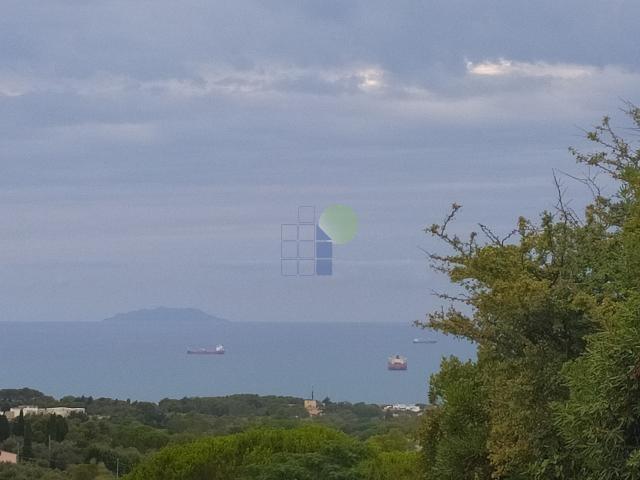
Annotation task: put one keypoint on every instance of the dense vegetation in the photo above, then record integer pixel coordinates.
(348, 441)
(554, 308)
(303, 453)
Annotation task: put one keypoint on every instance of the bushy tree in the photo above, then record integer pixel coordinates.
(393, 465)
(305, 452)
(57, 428)
(27, 446)
(455, 427)
(30, 472)
(18, 425)
(5, 428)
(600, 422)
(91, 471)
(531, 300)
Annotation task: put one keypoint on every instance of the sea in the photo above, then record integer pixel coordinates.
(148, 361)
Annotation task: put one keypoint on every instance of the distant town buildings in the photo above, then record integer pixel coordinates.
(402, 408)
(8, 457)
(30, 410)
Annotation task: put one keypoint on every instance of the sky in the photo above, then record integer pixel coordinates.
(151, 150)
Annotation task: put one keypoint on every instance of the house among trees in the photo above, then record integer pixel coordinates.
(14, 412)
(8, 457)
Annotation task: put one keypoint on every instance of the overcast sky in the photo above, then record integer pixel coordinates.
(150, 150)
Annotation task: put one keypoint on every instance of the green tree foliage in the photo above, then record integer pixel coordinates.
(142, 437)
(395, 440)
(551, 307)
(455, 428)
(117, 435)
(57, 428)
(91, 471)
(5, 428)
(27, 446)
(238, 405)
(306, 452)
(29, 472)
(18, 425)
(600, 422)
(394, 465)
(65, 454)
(114, 458)
(14, 397)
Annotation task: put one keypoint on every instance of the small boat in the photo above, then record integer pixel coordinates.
(424, 340)
(218, 350)
(397, 362)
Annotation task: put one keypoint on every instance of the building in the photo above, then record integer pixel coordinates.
(313, 408)
(26, 410)
(401, 407)
(8, 457)
(64, 411)
(14, 412)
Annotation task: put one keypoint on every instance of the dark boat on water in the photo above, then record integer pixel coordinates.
(218, 350)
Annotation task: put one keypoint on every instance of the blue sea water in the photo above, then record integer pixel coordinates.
(148, 361)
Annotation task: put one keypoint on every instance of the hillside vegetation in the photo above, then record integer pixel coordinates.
(254, 434)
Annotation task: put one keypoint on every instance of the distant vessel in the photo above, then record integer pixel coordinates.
(397, 362)
(424, 340)
(218, 350)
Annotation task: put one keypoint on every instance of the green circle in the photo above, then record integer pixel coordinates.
(340, 223)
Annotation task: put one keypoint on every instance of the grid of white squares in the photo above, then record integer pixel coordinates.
(298, 244)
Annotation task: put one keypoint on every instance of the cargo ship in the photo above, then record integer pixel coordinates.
(218, 350)
(424, 340)
(397, 362)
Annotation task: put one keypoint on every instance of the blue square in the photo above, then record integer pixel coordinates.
(324, 267)
(324, 250)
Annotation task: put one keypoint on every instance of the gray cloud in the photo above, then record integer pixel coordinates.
(150, 150)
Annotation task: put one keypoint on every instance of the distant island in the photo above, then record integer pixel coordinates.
(166, 314)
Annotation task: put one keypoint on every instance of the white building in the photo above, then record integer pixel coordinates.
(14, 412)
(64, 411)
(401, 407)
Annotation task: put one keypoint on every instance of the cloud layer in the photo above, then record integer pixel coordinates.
(150, 150)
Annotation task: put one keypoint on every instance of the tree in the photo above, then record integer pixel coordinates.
(89, 472)
(18, 425)
(600, 421)
(392, 466)
(29, 472)
(57, 428)
(5, 429)
(532, 300)
(27, 447)
(455, 427)
(529, 315)
(307, 452)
